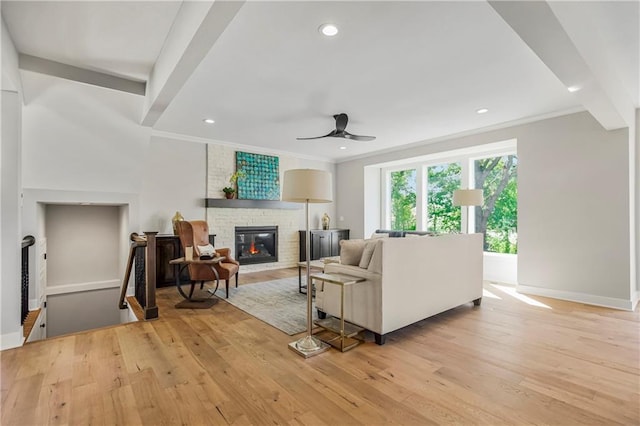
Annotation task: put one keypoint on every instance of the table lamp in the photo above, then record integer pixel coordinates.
(467, 198)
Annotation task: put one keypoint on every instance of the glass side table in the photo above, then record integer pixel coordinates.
(337, 332)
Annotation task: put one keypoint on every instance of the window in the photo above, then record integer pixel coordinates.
(419, 194)
(403, 199)
(497, 219)
(442, 180)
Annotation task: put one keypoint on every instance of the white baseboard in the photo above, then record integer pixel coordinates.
(89, 286)
(634, 300)
(11, 340)
(589, 299)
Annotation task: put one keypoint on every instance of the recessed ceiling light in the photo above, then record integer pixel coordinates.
(209, 121)
(573, 88)
(328, 29)
(482, 110)
(343, 147)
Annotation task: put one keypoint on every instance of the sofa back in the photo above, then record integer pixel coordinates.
(424, 276)
(399, 234)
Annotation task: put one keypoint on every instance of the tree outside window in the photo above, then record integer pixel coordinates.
(442, 180)
(403, 199)
(497, 219)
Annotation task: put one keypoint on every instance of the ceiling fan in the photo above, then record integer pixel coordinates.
(339, 132)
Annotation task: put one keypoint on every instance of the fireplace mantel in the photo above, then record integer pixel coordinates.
(251, 204)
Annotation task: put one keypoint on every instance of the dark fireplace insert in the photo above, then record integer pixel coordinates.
(256, 244)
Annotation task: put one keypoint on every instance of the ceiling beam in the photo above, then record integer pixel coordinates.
(69, 72)
(195, 30)
(538, 26)
(578, 22)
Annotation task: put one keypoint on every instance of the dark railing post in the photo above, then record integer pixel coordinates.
(136, 242)
(27, 242)
(150, 308)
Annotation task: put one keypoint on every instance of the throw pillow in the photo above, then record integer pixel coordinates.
(351, 251)
(369, 246)
(206, 251)
(375, 265)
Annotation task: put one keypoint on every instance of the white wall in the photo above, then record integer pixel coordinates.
(10, 231)
(174, 180)
(573, 205)
(82, 244)
(80, 137)
(10, 186)
(10, 73)
(636, 180)
(83, 144)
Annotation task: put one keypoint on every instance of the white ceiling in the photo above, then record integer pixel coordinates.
(118, 38)
(405, 72)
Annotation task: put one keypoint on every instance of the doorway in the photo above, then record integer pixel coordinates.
(83, 266)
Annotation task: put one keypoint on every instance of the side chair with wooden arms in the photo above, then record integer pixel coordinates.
(196, 233)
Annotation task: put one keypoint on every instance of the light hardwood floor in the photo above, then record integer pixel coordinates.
(505, 362)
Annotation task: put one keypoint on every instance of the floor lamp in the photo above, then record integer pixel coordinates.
(307, 186)
(467, 197)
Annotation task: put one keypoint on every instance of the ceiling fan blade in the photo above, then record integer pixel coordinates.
(341, 121)
(332, 133)
(348, 135)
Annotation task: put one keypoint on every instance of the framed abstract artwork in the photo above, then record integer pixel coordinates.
(260, 179)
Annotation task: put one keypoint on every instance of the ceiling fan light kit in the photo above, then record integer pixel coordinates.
(341, 123)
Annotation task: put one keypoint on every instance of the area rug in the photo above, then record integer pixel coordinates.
(277, 302)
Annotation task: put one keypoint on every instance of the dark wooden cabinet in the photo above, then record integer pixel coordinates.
(168, 247)
(324, 243)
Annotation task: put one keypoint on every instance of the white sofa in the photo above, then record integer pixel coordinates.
(408, 279)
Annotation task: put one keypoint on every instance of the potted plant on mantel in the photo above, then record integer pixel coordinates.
(230, 191)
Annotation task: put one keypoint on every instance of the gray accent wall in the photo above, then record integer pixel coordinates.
(573, 204)
(573, 207)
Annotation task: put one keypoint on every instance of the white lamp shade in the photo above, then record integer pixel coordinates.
(467, 197)
(307, 185)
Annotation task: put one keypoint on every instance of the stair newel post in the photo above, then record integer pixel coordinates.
(150, 309)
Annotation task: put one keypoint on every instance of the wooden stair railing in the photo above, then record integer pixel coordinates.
(148, 293)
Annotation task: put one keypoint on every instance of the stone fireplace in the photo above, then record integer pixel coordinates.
(256, 244)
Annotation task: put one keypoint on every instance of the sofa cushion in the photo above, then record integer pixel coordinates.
(351, 251)
(369, 246)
